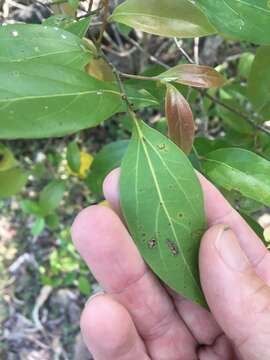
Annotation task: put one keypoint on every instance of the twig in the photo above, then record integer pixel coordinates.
(119, 54)
(57, 2)
(90, 6)
(244, 115)
(104, 22)
(196, 50)
(94, 12)
(42, 298)
(183, 52)
(150, 56)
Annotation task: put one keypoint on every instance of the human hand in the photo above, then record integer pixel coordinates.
(139, 318)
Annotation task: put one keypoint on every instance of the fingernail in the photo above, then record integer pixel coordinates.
(99, 293)
(230, 251)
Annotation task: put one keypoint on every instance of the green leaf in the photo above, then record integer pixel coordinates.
(42, 44)
(204, 145)
(38, 226)
(52, 221)
(7, 160)
(259, 82)
(242, 19)
(256, 227)
(12, 181)
(68, 264)
(162, 203)
(245, 64)
(31, 207)
(68, 23)
(232, 120)
(105, 161)
(241, 170)
(180, 18)
(194, 75)
(56, 96)
(84, 285)
(51, 196)
(73, 156)
(74, 3)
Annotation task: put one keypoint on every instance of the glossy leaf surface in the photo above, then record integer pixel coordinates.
(162, 204)
(180, 119)
(109, 158)
(259, 82)
(241, 19)
(241, 170)
(42, 44)
(194, 75)
(62, 100)
(178, 18)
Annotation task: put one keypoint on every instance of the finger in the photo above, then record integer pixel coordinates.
(108, 249)
(237, 296)
(222, 349)
(111, 190)
(109, 332)
(199, 321)
(218, 211)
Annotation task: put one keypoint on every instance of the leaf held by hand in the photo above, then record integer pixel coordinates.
(162, 203)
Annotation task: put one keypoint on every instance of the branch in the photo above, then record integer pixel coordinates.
(243, 115)
(118, 74)
(183, 52)
(90, 6)
(104, 22)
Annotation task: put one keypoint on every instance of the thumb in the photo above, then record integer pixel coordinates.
(238, 298)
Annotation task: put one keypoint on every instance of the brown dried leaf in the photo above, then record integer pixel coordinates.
(180, 119)
(194, 75)
(99, 69)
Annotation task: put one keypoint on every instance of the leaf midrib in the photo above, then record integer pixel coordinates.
(156, 17)
(44, 55)
(141, 137)
(59, 95)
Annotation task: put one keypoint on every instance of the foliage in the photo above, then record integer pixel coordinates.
(54, 82)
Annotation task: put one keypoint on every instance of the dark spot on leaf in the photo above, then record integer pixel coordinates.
(161, 146)
(198, 232)
(2, 157)
(180, 215)
(152, 243)
(172, 247)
